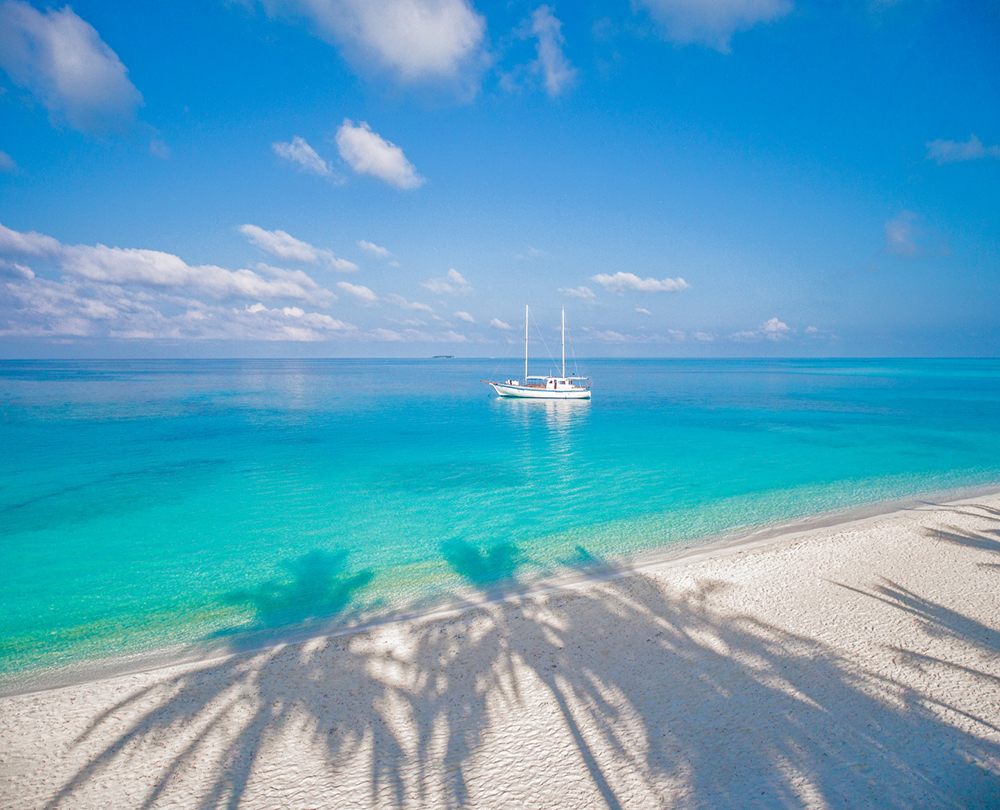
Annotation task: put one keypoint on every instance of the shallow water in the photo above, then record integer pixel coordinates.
(152, 503)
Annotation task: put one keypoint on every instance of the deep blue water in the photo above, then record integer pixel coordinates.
(151, 503)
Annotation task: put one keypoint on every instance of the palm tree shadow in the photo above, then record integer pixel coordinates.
(650, 688)
(316, 590)
(494, 568)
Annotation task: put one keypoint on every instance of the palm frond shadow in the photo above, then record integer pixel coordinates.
(658, 695)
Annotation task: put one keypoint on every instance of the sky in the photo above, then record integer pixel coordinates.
(398, 178)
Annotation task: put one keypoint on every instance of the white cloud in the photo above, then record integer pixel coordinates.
(812, 330)
(360, 292)
(299, 152)
(7, 163)
(64, 63)
(375, 250)
(367, 153)
(772, 329)
(703, 336)
(285, 246)
(412, 40)
(451, 284)
(608, 336)
(496, 323)
(583, 293)
(620, 282)
(414, 336)
(15, 270)
(414, 306)
(71, 308)
(643, 311)
(557, 72)
(957, 151)
(154, 268)
(712, 22)
(464, 316)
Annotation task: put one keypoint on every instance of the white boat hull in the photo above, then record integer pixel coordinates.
(538, 392)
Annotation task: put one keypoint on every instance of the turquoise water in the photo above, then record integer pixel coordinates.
(148, 504)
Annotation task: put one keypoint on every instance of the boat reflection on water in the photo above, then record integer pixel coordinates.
(561, 416)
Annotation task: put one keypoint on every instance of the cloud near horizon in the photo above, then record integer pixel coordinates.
(773, 330)
(136, 294)
(621, 282)
(154, 268)
(581, 292)
(283, 245)
(359, 291)
(453, 283)
(63, 62)
(366, 152)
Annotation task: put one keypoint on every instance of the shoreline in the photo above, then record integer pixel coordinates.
(704, 548)
(846, 665)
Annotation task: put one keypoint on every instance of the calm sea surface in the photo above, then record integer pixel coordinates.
(150, 504)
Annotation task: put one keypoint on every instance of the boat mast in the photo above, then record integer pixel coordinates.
(564, 341)
(525, 344)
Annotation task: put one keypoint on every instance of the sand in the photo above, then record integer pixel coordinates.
(854, 665)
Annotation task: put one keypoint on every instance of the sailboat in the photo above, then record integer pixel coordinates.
(540, 387)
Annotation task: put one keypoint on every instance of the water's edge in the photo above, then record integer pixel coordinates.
(47, 679)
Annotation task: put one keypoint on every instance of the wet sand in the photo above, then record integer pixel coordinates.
(849, 665)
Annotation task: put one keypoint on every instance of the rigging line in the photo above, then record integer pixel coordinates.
(546, 345)
(503, 359)
(576, 367)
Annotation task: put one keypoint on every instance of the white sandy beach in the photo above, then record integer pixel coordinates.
(851, 666)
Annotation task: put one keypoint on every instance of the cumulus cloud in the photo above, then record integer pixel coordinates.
(367, 152)
(583, 293)
(7, 163)
(711, 22)
(412, 40)
(301, 154)
(65, 64)
(154, 268)
(643, 311)
(773, 330)
(376, 250)
(285, 246)
(464, 316)
(294, 323)
(76, 308)
(399, 301)
(451, 284)
(621, 282)
(958, 151)
(362, 293)
(556, 71)
(496, 323)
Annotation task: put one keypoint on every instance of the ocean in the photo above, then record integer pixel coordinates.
(151, 506)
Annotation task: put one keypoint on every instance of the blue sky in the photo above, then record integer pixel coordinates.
(398, 178)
